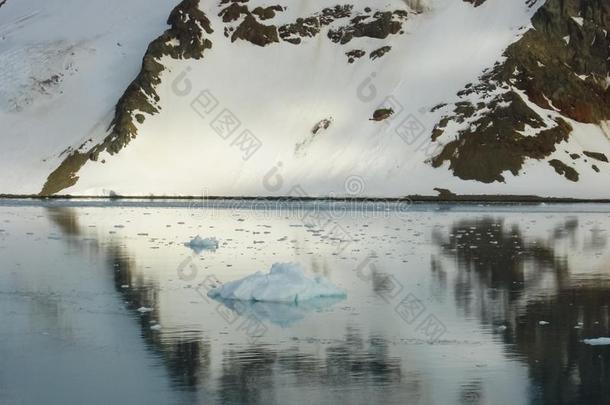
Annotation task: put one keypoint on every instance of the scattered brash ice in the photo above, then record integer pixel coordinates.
(285, 283)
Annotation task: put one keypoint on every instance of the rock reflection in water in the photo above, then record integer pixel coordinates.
(494, 269)
(500, 275)
(363, 366)
(281, 314)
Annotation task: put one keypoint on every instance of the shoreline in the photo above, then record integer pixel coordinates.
(454, 198)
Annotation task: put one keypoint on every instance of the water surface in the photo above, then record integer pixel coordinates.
(446, 304)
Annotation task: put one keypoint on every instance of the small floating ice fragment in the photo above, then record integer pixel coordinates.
(144, 310)
(543, 323)
(285, 282)
(156, 327)
(199, 244)
(602, 341)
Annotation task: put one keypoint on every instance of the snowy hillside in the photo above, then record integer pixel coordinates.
(64, 64)
(361, 99)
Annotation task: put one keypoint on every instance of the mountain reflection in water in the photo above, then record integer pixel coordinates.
(496, 285)
(491, 277)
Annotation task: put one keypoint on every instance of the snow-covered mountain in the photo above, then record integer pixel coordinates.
(305, 98)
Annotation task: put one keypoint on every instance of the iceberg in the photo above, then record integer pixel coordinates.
(198, 244)
(285, 283)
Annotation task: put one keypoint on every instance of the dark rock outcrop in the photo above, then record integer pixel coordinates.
(382, 114)
(188, 24)
(597, 156)
(562, 64)
(250, 28)
(378, 53)
(267, 13)
(378, 25)
(355, 54)
(475, 3)
(563, 169)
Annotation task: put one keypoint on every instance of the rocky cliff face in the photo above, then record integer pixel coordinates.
(184, 40)
(559, 69)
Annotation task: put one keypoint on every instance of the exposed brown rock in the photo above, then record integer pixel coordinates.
(547, 70)
(250, 28)
(323, 124)
(444, 194)
(382, 114)
(496, 146)
(564, 170)
(355, 54)
(475, 3)
(597, 156)
(310, 26)
(233, 12)
(378, 53)
(267, 13)
(188, 24)
(379, 26)
(253, 31)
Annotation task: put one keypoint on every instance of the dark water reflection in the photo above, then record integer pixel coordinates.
(562, 369)
(498, 272)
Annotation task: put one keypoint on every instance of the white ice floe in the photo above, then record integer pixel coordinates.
(144, 310)
(602, 341)
(199, 244)
(543, 323)
(156, 327)
(285, 283)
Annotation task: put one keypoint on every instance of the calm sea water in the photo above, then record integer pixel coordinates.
(446, 304)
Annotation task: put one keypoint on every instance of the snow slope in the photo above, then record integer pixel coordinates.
(306, 109)
(63, 65)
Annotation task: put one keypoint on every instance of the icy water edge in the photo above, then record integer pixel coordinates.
(446, 304)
